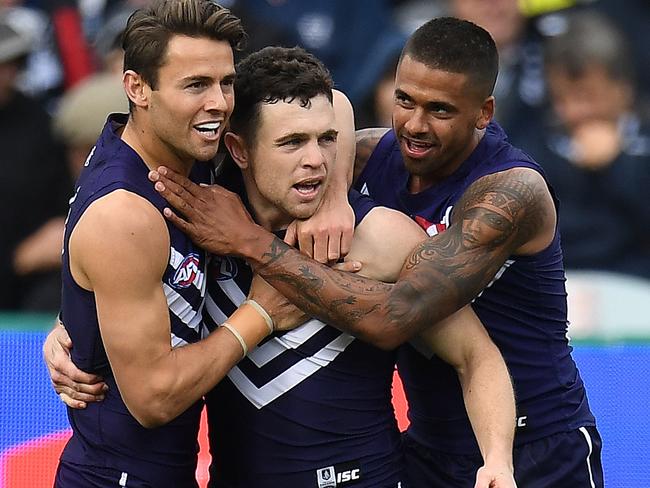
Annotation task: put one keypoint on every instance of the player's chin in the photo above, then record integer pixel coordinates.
(304, 210)
(206, 152)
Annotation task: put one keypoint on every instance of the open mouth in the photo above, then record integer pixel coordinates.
(208, 129)
(417, 148)
(308, 188)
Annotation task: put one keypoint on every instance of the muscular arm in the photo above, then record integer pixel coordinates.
(382, 242)
(498, 215)
(462, 341)
(119, 250)
(506, 213)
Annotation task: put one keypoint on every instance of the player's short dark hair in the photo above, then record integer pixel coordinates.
(149, 30)
(456, 46)
(275, 74)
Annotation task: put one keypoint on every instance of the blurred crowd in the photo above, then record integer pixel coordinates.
(572, 91)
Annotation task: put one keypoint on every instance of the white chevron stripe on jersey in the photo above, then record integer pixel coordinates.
(175, 260)
(217, 316)
(291, 340)
(290, 378)
(177, 341)
(183, 310)
(232, 291)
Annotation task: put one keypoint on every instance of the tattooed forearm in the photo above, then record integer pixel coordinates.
(329, 295)
(497, 214)
(277, 250)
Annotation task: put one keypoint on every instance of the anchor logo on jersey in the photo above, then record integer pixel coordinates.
(223, 268)
(187, 271)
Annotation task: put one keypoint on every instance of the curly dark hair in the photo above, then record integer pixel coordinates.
(276, 74)
(456, 46)
(149, 30)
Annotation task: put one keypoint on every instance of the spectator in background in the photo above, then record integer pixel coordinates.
(520, 88)
(344, 34)
(33, 189)
(633, 18)
(82, 114)
(376, 109)
(60, 57)
(596, 148)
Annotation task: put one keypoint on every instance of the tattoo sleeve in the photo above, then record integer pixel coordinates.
(495, 216)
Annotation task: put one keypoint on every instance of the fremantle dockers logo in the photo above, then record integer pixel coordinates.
(187, 272)
(326, 477)
(223, 268)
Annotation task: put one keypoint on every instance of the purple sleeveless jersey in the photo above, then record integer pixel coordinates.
(105, 435)
(523, 309)
(306, 408)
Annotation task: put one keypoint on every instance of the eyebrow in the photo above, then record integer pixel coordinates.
(303, 135)
(208, 79)
(430, 106)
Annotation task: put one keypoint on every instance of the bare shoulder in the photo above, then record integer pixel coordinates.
(512, 208)
(382, 242)
(367, 140)
(119, 231)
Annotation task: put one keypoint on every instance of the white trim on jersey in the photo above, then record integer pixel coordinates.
(232, 291)
(506, 265)
(214, 311)
(177, 341)
(591, 448)
(182, 309)
(271, 349)
(291, 377)
(263, 354)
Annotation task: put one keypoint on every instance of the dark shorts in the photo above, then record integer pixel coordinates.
(71, 475)
(564, 460)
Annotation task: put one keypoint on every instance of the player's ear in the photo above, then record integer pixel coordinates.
(237, 149)
(136, 88)
(486, 113)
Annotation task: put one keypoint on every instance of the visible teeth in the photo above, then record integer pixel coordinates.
(305, 187)
(209, 126)
(421, 145)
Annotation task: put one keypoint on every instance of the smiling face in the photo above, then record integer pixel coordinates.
(288, 163)
(435, 117)
(187, 112)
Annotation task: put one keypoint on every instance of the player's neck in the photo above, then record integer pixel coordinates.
(264, 212)
(154, 153)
